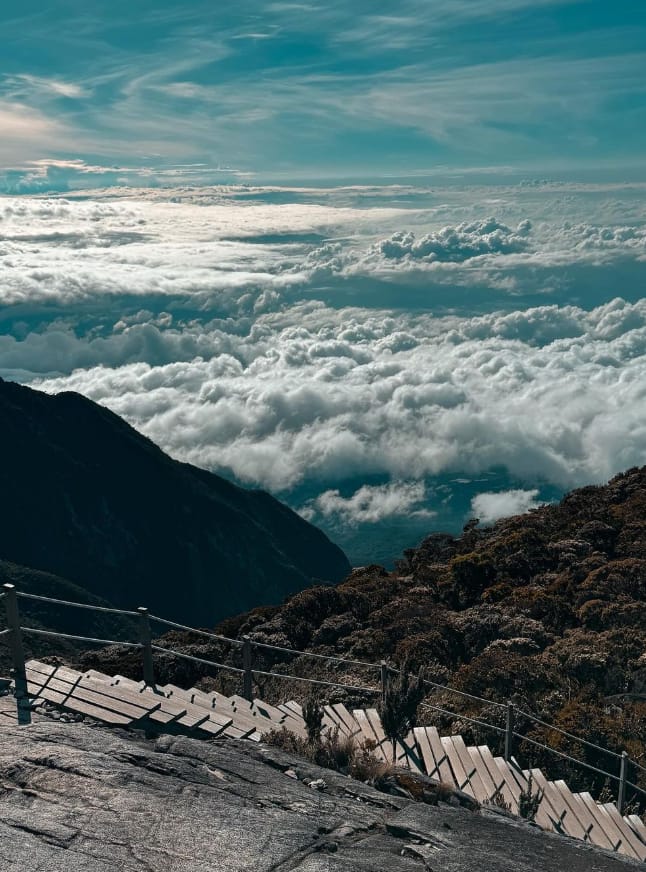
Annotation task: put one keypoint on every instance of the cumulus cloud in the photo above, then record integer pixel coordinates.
(463, 242)
(490, 507)
(314, 394)
(371, 503)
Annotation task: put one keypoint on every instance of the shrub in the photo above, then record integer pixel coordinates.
(528, 802)
(313, 717)
(398, 709)
(498, 800)
(333, 750)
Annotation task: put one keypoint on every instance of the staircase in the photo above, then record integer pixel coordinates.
(120, 702)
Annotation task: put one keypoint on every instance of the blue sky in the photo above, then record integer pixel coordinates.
(156, 93)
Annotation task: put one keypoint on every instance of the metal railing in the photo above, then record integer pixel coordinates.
(12, 636)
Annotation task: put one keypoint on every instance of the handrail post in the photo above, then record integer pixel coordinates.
(145, 639)
(384, 680)
(621, 795)
(509, 731)
(247, 665)
(17, 654)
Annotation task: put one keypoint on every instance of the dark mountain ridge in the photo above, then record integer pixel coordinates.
(88, 498)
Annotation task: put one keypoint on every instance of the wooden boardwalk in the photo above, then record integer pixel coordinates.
(121, 702)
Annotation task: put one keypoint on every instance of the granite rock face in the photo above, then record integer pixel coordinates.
(78, 798)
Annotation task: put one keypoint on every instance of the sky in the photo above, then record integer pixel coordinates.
(95, 92)
(386, 262)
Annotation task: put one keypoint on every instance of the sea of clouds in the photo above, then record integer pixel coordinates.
(386, 360)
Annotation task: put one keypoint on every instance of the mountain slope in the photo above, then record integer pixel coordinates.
(88, 498)
(546, 609)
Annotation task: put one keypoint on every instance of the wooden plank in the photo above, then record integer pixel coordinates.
(637, 824)
(368, 734)
(295, 707)
(498, 779)
(475, 782)
(239, 702)
(424, 748)
(460, 777)
(99, 676)
(597, 834)
(137, 686)
(384, 745)
(199, 700)
(39, 666)
(548, 814)
(554, 804)
(74, 692)
(632, 844)
(334, 720)
(510, 780)
(112, 698)
(375, 722)
(585, 821)
(352, 727)
(604, 822)
(78, 706)
(485, 776)
(265, 710)
(443, 767)
(413, 760)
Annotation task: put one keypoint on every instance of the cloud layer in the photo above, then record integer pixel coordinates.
(303, 341)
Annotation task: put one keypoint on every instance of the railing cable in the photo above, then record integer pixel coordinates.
(47, 599)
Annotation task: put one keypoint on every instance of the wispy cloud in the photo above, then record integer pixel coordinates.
(57, 87)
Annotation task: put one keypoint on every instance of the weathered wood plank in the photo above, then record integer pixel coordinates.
(468, 764)
(498, 779)
(597, 834)
(413, 759)
(352, 727)
(368, 734)
(74, 692)
(561, 817)
(485, 776)
(460, 776)
(110, 694)
(604, 822)
(443, 767)
(77, 705)
(637, 824)
(548, 815)
(632, 844)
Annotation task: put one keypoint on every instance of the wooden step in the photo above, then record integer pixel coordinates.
(497, 778)
(490, 787)
(460, 774)
(604, 822)
(368, 734)
(562, 817)
(78, 706)
(637, 824)
(632, 845)
(468, 764)
(434, 755)
(598, 835)
(78, 685)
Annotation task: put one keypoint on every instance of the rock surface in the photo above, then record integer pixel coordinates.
(77, 798)
(89, 499)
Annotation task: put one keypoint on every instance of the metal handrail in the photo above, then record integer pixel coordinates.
(569, 735)
(60, 602)
(184, 627)
(248, 670)
(51, 633)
